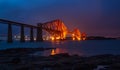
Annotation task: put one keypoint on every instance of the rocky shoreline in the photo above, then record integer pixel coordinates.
(19, 59)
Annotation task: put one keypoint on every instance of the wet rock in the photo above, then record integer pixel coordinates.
(84, 67)
(62, 61)
(114, 66)
(101, 67)
(61, 55)
(16, 60)
(22, 51)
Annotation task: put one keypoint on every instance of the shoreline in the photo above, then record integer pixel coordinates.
(62, 61)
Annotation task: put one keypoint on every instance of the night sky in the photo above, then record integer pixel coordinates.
(95, 17)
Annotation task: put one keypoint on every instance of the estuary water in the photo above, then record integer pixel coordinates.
(84, 48)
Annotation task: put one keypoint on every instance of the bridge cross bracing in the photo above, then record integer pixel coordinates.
(55, 28)
(58, 30)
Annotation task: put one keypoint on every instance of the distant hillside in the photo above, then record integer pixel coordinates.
(99, 38)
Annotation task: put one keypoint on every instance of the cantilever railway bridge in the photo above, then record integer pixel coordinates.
(55, 28)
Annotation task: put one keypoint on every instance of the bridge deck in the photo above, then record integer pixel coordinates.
(3, 21)
(22, 33)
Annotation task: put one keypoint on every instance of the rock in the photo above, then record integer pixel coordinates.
(16, 60)
(101, 67)
(84, 67)
(114, 66)
(61, 55)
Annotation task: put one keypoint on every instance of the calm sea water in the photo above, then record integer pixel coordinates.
(85, 48)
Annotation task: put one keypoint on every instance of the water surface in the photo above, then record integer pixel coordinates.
(85, 48)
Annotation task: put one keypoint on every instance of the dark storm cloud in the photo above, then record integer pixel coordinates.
(96, 17)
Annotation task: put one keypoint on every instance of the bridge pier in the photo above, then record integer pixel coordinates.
(31, 34)
(39, 33)
(22, 37)
(9, 38)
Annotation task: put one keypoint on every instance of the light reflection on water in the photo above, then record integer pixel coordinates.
(61, 50)
(87, 48)
(91, 47)
(57, 51)
(63, 47)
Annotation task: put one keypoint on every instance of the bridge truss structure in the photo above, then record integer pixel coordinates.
(58, 30)
(55, 28)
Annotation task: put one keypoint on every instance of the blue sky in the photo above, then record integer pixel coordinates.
(95, 17)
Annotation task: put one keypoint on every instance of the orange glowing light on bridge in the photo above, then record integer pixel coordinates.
(52, 38)
(58, 30)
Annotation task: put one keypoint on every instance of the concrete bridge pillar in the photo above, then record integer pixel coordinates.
(31, 35)
(39, 33)
(9, 38)
(22, 37)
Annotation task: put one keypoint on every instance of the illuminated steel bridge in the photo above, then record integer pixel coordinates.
(58, 30)
(55, 28)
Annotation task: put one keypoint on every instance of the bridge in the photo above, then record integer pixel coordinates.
(55, 28)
